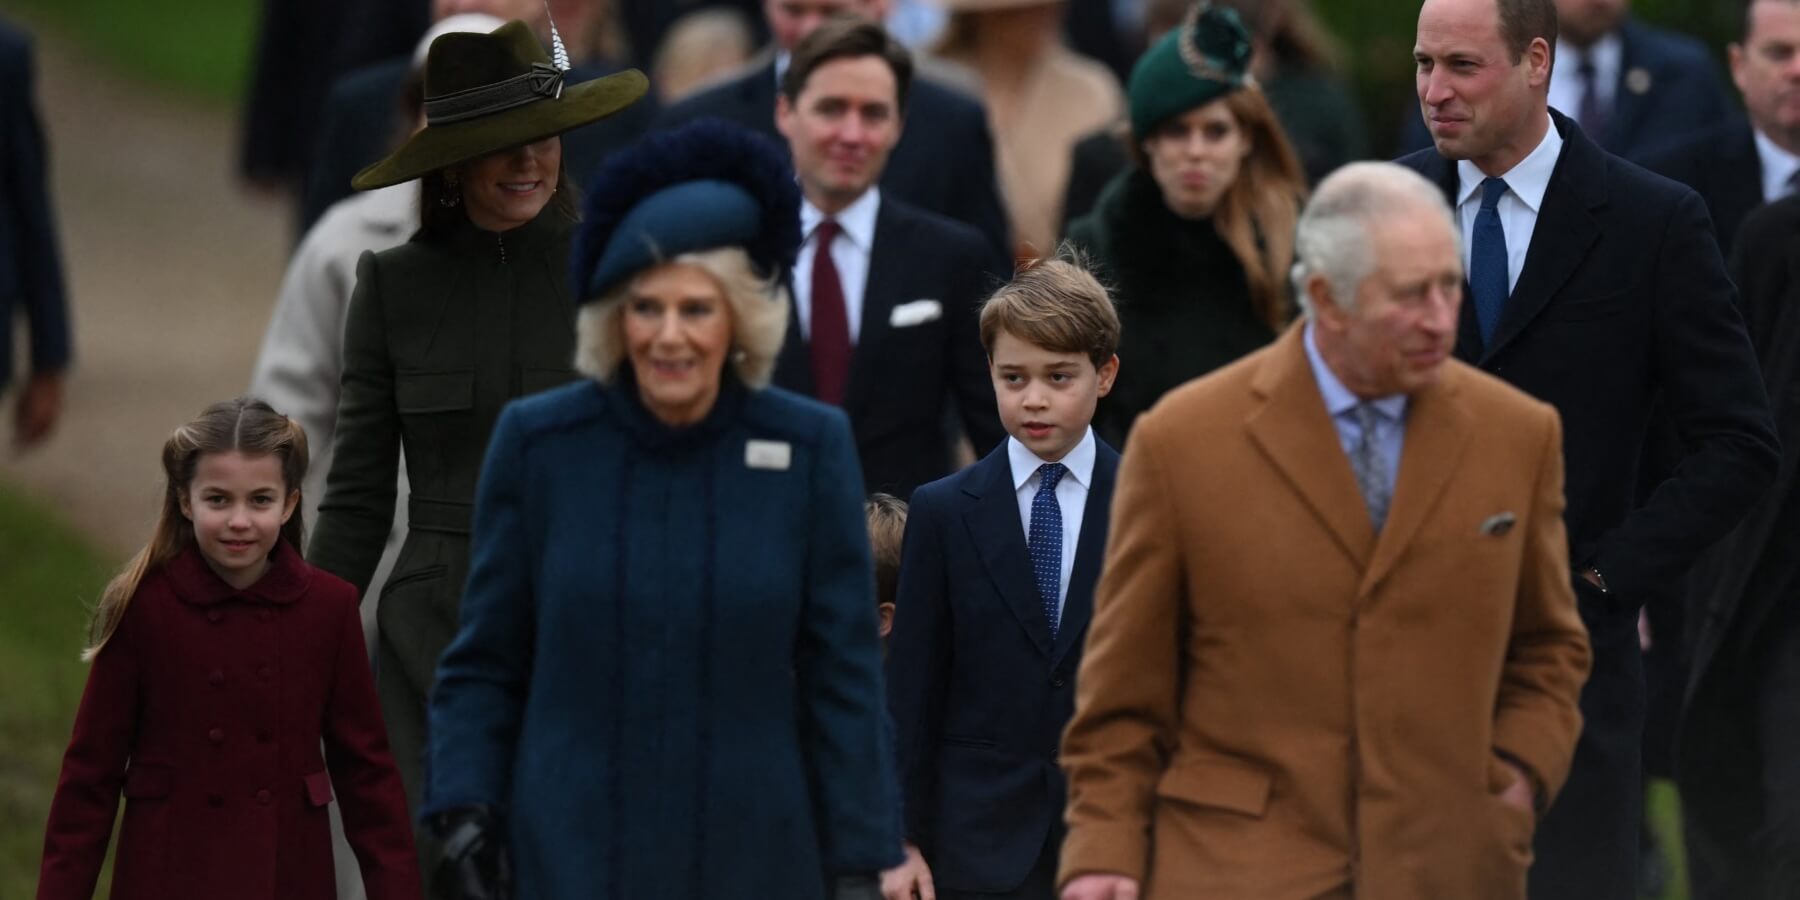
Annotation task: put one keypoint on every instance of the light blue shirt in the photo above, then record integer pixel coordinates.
(1390, 421)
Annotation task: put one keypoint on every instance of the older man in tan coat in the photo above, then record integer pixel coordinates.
(1335, 652)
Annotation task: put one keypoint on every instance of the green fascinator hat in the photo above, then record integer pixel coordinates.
(1204, 59)
(488, 92)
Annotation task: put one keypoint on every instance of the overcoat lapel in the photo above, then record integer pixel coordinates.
(1294, 430)
(999, 538)
(1437, 432)
(1090, 548)
(881, 293)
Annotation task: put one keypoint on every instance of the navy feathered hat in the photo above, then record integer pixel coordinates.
(704, 185)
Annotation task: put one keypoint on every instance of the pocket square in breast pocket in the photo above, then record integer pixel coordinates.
(917, 312)
(1498, 524)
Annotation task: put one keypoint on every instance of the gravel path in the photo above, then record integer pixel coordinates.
(172, 270)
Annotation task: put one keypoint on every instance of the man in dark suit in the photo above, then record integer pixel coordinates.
(31, 278)
(1739, 735)
(1641, 85)
(997, 577)
(945, 165)
(883, 320)
(1597, 287)
(1743, 163)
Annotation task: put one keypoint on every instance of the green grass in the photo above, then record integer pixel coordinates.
(49, 578)
(199, 47)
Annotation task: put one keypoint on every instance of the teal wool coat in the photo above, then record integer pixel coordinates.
(439, 336)
(668, 677)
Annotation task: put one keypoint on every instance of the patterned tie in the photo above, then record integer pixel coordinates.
(1045, 541)
(1371, 471)
(830, 343)
(1488, 281)
(1589, 114)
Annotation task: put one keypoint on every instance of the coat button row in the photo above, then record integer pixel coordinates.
(263, 796)
(217, 735)
(215, 800)
(216, 677)
(262, 615)
(215, 616)
(265, 672)
(263, 735)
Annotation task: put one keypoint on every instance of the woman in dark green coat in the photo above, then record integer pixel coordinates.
(442, 331)
(1196, 238)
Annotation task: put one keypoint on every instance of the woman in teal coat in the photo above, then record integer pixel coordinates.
(442, 331)
(667, 681)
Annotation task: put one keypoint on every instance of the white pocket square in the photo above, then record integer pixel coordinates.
(917, 312)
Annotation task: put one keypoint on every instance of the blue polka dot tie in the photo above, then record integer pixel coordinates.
(1045, 541)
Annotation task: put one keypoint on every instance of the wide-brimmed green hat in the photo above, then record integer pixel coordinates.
(1204, 59)
(488, 92)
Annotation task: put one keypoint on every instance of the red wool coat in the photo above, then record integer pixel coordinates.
(207, 710)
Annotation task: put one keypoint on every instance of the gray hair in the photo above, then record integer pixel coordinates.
(1333, 240)
(759, 314)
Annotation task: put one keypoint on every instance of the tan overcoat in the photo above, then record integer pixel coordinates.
(1276, 703)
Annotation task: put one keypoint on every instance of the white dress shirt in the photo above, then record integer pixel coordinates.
(1566, 83)
(1071, 496)
(1778, 167)
(850, 253)
(1526, 185)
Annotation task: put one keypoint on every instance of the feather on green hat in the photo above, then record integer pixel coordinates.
(1204, 59)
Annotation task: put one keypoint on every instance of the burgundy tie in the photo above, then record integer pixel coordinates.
(830, 323)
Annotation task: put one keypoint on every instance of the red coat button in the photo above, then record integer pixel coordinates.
(216, 677)
(215, 801)
(262, 615)
(267, 672)
(263, 796)
(213, 615)
(217, 735)
(263, 735)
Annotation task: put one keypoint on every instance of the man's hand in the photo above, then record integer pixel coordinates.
(908, 880)
(40, 403)
(1518, 793)
(1101, 887)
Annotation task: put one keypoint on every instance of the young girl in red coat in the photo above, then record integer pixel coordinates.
(221, 663)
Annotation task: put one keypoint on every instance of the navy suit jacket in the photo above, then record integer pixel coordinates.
(1722, 166)
(31, 277)
(1679, 94)
(902, 379)
(944, 161)
(979, 690)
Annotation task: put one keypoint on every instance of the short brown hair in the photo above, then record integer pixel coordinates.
(887, 531)
(847, 37)
(1056, 304)
(1523, 21)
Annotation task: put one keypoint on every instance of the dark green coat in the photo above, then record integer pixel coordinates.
(1183, 302)
(439, 336)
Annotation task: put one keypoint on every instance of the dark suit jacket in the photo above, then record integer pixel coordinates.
(902, 378)
(944, 161)
(1682, 94)
(363, 120)
(31, 278)
(1624, 310)
(979, 690)
(1721, 165)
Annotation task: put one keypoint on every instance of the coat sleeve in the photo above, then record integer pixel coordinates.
(1537, 716)
(484, 677)
(1127, 692)
(94, 768)
(918, 662)
(369, 792)
(1713, 390)
(24, 165)
(358, 509)
(843, 723)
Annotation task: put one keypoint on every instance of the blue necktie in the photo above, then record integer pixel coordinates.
(1487, 260)
(1045, 541)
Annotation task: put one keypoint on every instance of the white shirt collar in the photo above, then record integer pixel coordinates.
(1339, 399)
(782, 58)
(857, 220)
(1529, 180)
(1608, 54)
(1778, 166)
(1079, 461)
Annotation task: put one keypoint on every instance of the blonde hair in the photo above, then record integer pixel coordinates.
(886, 514)
(246, 425)
(759, 310)
(1056, 304)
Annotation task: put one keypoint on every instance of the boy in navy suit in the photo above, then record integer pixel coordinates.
(997, 578)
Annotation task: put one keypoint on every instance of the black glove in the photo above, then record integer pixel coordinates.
(857, 887)
(476, 865)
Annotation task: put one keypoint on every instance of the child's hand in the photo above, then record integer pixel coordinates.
(909, 879)
(1101, 887)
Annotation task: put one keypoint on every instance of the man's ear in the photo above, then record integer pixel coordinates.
(886, 611)
(1325, 308)
(784, 115)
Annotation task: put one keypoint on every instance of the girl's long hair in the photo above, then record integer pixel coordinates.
(246, 425)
